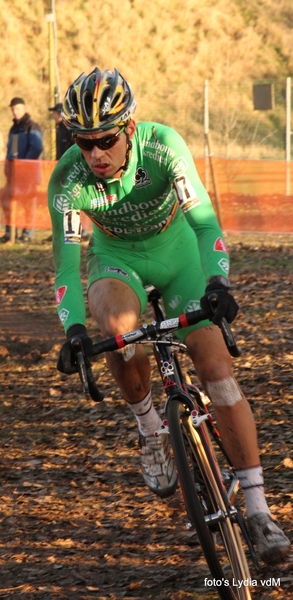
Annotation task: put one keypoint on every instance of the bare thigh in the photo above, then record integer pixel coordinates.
(114, 306)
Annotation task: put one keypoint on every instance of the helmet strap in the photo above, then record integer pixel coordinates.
(129, 146)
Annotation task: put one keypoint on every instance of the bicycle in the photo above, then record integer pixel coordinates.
(207, 479)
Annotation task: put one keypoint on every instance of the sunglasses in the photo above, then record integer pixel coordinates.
(104, 143)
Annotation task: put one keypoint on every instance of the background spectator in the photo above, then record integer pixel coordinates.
(63, 135)
(24, 142)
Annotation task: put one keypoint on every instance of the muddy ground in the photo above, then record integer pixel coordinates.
(76, 520)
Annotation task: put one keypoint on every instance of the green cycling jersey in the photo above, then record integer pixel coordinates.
(159, 186)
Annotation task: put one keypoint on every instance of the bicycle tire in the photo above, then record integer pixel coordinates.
(181, 428)
(215, 487)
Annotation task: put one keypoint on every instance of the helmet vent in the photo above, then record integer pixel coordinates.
(74, 101)
(88, 104)
(115, 99)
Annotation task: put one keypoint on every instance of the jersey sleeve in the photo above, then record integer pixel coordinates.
(66, 229)
(198, 209)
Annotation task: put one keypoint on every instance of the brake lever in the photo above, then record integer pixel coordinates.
(229, 338)
(85, 373)
(78, 351)
(230, 342)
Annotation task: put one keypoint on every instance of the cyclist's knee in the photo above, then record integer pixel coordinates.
(130, 357)
(114, 306)
(209, 354)
(213, 371)
(223, 392)
(125, 354)
(213, 365)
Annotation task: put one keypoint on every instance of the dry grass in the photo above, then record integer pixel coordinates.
(166, 53)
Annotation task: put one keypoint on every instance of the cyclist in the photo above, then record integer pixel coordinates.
(153, 223)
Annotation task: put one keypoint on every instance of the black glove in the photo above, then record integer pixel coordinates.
(226, 305)
(66, 361)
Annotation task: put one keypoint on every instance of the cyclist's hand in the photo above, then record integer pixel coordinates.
(66, 361)
(226, 305)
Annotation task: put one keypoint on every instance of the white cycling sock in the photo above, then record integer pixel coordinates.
(251, 481)
(146, 415)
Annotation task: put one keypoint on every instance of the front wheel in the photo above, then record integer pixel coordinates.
(207, 506)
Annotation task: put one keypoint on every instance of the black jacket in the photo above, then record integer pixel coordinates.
(63, 139)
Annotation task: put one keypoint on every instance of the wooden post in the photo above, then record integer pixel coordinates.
(288, 135)
(50, 18)
(13, 203)
(214, 181)
(12, 220)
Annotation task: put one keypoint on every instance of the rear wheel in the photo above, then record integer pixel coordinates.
(207, 506)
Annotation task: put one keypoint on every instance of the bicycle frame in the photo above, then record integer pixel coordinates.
(153, 333)
(197, 426)
(176, 387)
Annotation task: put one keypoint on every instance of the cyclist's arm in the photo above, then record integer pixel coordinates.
(66, 252)
(203, 220)
(199, 212)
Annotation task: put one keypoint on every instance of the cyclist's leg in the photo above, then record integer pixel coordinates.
(210, 356)
(116, 299)
(116, 308)
(238, 431)
(234, 417)
(235, 420)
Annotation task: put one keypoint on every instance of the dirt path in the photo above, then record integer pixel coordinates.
(77, 522)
